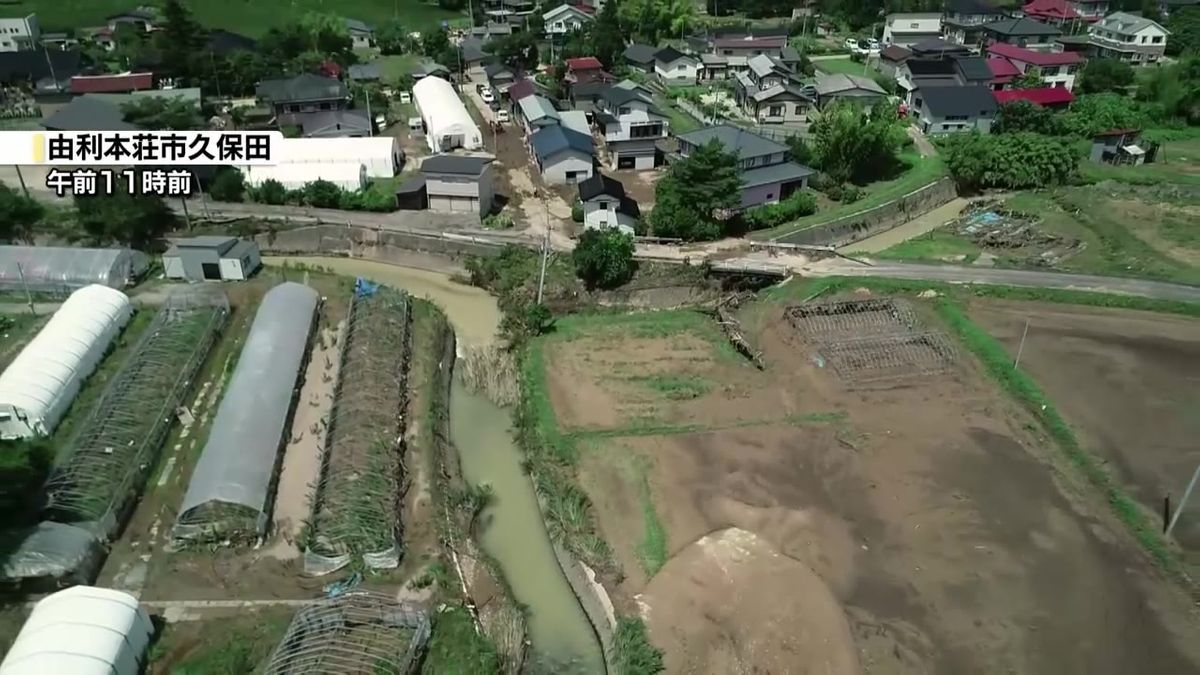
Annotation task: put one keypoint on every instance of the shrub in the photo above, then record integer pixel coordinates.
(228, 185)
(577, 211)
(498, 221)
(799, 204)
(604, 258)
(271, 192)
(322, 194)
(1012, 161)
(851, 194)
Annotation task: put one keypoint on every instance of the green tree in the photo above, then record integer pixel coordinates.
(392, 37)
(1173, 90)
(434, 42)
(271, 192)
(24, 467)
(800, 151)
(135, 220)
(518, 50)
(163, 114)
(1011, 161)
(1028, 80)
(327, 35)
(18, 215)
(1100, 75)
(697, 196)
(1184, 25)
(322, 194)
(1018, 116)
(180, 39)
(1092, 113)
(604, 258)
(606, 37)
(228, 185)
(853, 144)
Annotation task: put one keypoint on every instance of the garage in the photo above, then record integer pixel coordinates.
(452, 204)
(626, 162)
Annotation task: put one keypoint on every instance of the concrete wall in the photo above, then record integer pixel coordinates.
(866, 223)
(362, 242)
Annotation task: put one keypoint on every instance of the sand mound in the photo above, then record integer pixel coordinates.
(731, 603)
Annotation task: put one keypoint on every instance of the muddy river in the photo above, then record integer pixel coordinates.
(515, 534)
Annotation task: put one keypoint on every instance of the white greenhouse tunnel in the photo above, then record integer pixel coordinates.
(83, 630)
(38, 387)
(448, 125)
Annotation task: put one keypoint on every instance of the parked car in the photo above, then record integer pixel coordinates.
(501, 115)
(487, 95)
(872, 44)
(851, 43)
(479, 87)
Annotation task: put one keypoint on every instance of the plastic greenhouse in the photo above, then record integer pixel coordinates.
(230, 491)
(40, 384)
(53, 268)
(448, 125)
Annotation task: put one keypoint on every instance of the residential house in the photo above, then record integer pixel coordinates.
(674, 67)
(767, 174)
(771, 94)
(937, 48)
(59, 40)
(946, 110)
(631, 127)
(429, 69)
(111, 84)
(790, 58)
(586, 69)
(713, 67)
(49, 71)
(606, 205)
(1022, 32)
(459, 183)
(1052, 12)
(586, 96)
(512, 12)
(302, 94)
(1055, 98)
(1090, 10)
(85, 113)
(640, 57)
(473, 54)
(1166, 7)
(333, 124)
(500, 76)
(562, 156)
(20, 33)
(1004, 72)
(1118, 146)
(1130, 38)
(963, 19)
(491, 30)
(839, 86)
(537, 112)
(565, 19)
(907, 29)
(517, 91)
(362, 36)
(142, 18)
(738, 49)
(962, 71)
(365, 72)
(891, 58)
(223, 43)
(1056, 69)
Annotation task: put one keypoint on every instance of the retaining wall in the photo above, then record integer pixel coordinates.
(868, 222)
(362, 242)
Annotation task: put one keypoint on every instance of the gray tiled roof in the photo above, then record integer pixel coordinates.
(1126, 23)
(88, 114)
(463, 165)
(776, 173)
(551, 141)
(638, 53)
(827, 85)
(365, 71)
(973, 101)
(740, 141)
(306, 87)
(1022, 26)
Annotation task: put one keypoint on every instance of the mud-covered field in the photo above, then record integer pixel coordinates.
(782, 521)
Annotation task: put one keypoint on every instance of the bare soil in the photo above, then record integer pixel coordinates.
(945, 530)
(1127, 381)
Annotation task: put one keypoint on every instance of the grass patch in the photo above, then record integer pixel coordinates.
(675, 387)
(455, 647)
(232, 644)
(921, 171)
(680, 121)
(393, 67)
(249, 18)
(633, 652)
(645, 325)
(652, 550)
(844, 65)
(938, 245)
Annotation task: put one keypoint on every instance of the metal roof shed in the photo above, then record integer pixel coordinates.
(55, 268)
(230, 491)
(39, 385)
(448, 125)
(82, 630)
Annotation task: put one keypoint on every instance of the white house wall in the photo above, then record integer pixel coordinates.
(555, 170)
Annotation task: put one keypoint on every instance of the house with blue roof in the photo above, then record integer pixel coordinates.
(563, 155)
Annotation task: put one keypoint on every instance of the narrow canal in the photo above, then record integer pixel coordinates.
(515, 534)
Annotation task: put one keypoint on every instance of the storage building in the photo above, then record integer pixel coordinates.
(231, 490)
(448, 125)
(212, 258)
(39, 385)
(459, 183)
(83, 630)
(56, 268)
(349, 176)
(381, 155)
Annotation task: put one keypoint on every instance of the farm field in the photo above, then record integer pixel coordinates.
(249, 18)
(905, 547)
(1126, 380)
(1108, 228)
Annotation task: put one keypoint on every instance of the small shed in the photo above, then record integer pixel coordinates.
(212, 258)
(83, 630)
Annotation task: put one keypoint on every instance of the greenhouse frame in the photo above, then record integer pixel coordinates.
(229, 496)
(357, 632)
(56, 269)
(39, 385)
(98, 478)
(356, 503)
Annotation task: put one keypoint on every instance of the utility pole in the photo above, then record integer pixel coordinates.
(1021, 347)
(545, 251)
(29, 296)
(21, 178)
(186, 216)
(1183, 502)
(370, 119)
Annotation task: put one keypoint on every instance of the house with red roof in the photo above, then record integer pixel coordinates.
(1053, 12)
(1003, 72)
(1057, 69)
(111, 84)
(587, 69)
(1046, 97)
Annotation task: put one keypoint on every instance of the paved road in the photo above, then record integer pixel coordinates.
(1009, 277)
